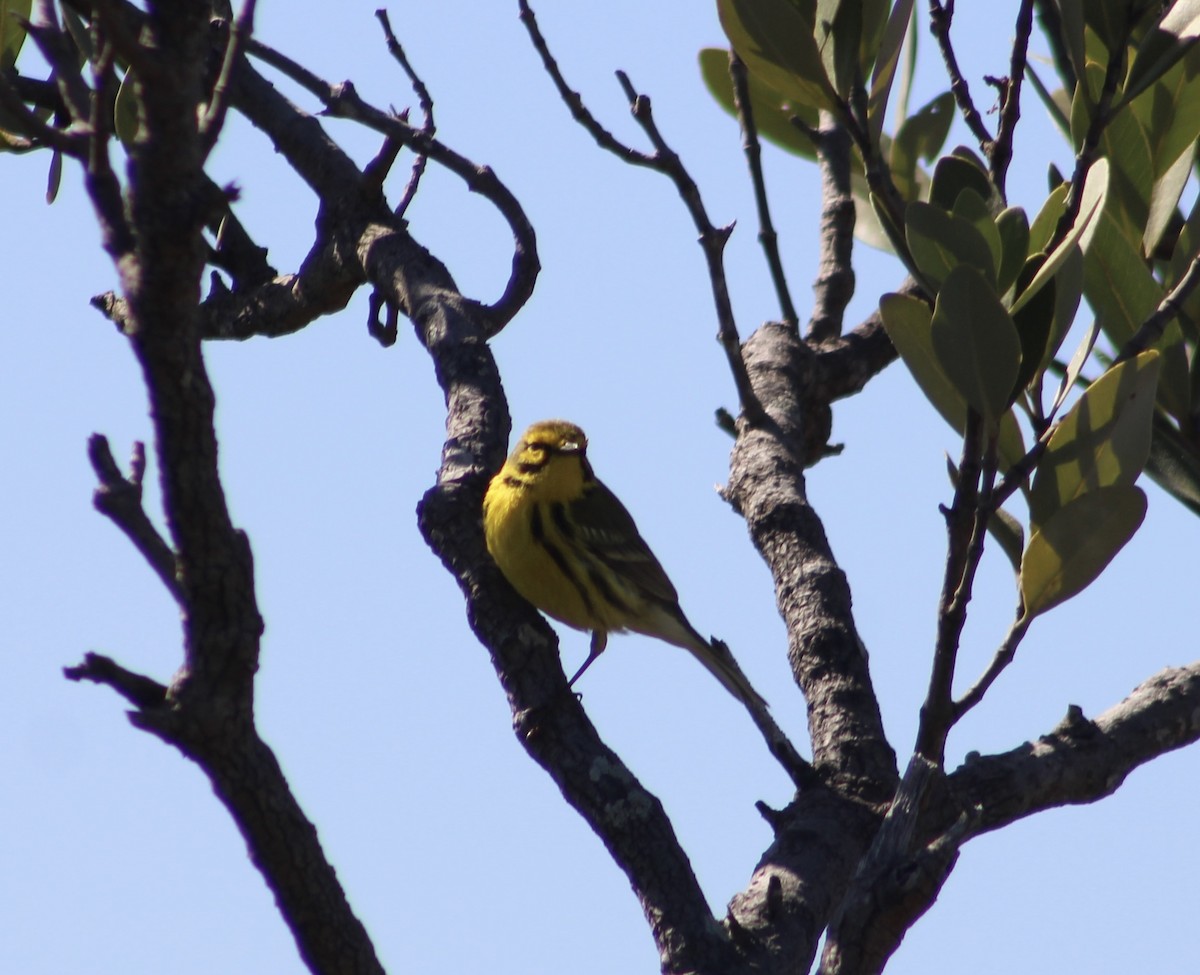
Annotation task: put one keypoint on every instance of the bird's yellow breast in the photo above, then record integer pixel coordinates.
(516, 526)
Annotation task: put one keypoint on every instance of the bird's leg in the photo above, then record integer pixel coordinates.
(599, 640)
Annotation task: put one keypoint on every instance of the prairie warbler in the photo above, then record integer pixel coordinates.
(568, 546)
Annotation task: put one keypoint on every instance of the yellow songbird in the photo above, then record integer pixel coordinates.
(571, 548)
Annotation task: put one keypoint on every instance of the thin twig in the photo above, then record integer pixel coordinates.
(120, 499)
(572, 99)
(310, 82)
(102, 184)
(48, 35)
(1089, 150)
(139, 690)
(667, 162)
(1010, 111)
(218, 104)
(70, 143)
(940, 18)
(712, 241)
(343, 101)
(1004, 656)
(428, 127)
(1168, 309)
(966, 521)
(753, 149)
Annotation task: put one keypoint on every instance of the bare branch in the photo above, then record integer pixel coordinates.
(940, 17)
(834, 286)
(966, 522)
(753, 149)
(1000, 150)
(142, 692)
(101, 182)
(1082, 761)
(218, 104)
(1090, 148)
(1167, 311)
(579, 111)
(120, 499)
(428, 127)
(1003, 657)
(897, 880)
(767, 487)
(666, 161)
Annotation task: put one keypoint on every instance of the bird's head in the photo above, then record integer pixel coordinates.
(551, 457)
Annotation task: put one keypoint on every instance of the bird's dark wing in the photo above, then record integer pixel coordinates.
(607, 529)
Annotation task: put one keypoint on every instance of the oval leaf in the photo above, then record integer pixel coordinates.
(1066, 554)
(1102, 441)
(940, 241)
(773, 113)
(976, 343)
(1095, 191)
(1013, 227)
(1034, 323)
(775, 39)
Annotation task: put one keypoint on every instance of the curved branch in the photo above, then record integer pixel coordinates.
(274, 114)
(548, 720)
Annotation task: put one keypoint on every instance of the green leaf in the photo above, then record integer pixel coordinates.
(1009, 535)
(12, 32)
(1095, 192)
(940, 241)
(838, 30)
(908, 322)
(1034, 323)
(1068, 552)
(775, 39)
(885, 67)
(955, 173)
(1174, 464)
(125, 110)
(921, 136)
(1068, 291)
(1002, 526)
(1013, 227)
(976, 343)
(1102, 441)
(869, 217)
(972, 207)
(1164, 199)
(1123, 292)
(1075, 367)
(54, 176)
(772, 111)
(1071, 12)
(1044, 224)
(1170, 112)
(1164, 46)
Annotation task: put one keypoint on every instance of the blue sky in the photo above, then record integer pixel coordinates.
(457, 852)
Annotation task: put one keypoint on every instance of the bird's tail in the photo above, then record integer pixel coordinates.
(671, 625)
(716, 657)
